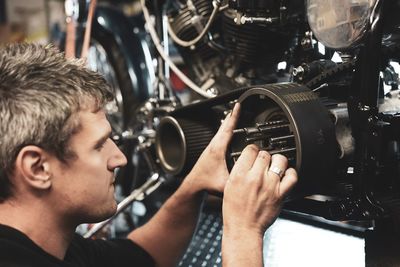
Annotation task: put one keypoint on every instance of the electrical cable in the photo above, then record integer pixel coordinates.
(157, 43)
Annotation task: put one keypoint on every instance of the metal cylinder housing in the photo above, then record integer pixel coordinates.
(180, 142)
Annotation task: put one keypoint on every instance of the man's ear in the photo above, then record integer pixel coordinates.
(33, 165)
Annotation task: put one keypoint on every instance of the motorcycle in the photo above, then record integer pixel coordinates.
(317, 81)
(339, 119)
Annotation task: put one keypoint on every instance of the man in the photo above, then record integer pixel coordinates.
(57, 163)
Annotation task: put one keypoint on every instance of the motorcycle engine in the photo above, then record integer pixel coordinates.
(244, 44)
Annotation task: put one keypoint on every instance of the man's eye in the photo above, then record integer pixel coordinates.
(100, 146)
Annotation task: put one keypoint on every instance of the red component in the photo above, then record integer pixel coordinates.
(176, 82)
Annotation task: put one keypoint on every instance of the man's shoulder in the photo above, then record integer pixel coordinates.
(17, 250)
(113, 252)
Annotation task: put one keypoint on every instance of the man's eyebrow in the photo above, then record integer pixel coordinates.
(103, 139)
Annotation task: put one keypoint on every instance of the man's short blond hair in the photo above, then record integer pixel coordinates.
(40, 94)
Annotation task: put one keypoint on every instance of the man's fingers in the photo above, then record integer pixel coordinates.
(262, 161)
(278, 167)
(233, 117)
(288, 181)
(225, 131)
(245, 161)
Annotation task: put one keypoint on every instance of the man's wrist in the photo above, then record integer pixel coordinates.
(192, 183)
(240, 233)
(188, 190)
(242, 248)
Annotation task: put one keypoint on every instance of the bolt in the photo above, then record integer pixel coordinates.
(298, 71)
(364, 107)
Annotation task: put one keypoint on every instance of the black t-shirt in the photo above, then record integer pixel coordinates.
(17, 250)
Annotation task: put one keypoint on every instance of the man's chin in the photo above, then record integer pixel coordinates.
(106, 214)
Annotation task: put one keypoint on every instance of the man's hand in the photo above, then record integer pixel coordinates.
(253, 198)
(254, 192)
(210, 172)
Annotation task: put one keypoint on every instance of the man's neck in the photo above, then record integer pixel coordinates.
(36, 222)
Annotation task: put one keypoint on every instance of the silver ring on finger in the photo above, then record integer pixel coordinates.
(276, 170)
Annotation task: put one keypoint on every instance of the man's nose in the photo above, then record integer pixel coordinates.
(117, 159)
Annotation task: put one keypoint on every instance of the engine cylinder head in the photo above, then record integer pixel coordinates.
(188, 23)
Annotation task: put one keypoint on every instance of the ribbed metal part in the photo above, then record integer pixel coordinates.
(184, 28)
(182, 23)
(194, 136)
(197, 136)
(311, 131)
(247, 41)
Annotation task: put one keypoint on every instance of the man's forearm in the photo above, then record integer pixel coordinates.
(168, 233)
(241, 249)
